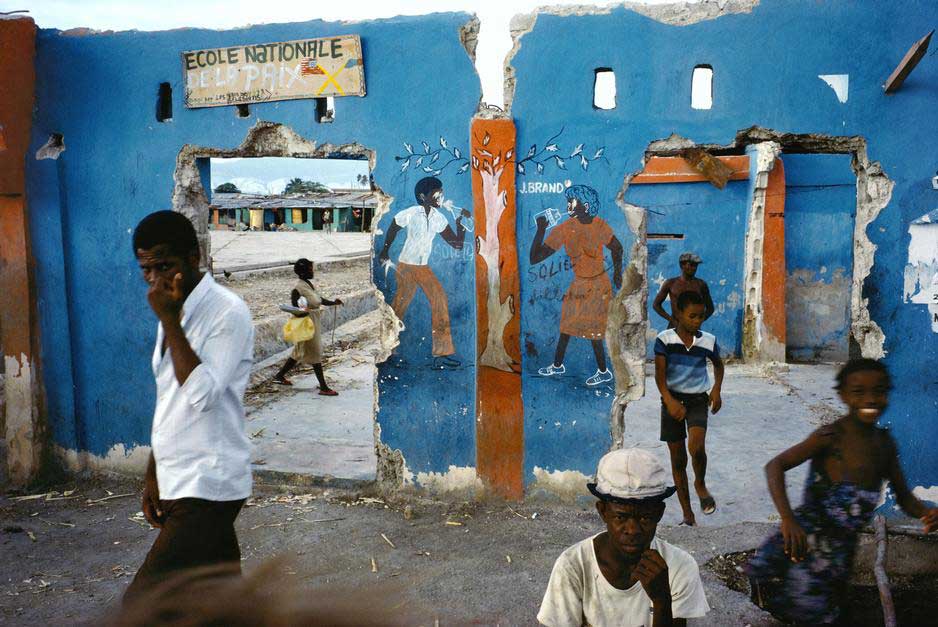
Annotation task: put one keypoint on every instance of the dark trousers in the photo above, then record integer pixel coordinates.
(195, 533)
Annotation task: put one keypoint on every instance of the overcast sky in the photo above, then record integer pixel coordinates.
(494, 38)
(269, 175)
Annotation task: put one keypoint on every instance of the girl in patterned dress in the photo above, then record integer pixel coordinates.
(801, 572)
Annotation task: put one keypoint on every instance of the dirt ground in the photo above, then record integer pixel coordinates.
(68, 557)
(264, 292)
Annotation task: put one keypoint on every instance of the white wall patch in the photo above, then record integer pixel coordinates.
(921, 271)
(840, 83)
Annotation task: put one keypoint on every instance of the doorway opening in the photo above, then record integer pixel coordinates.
(254, 208)
(766, 246)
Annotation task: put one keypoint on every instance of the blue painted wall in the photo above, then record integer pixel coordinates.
(713, 222)
(820, 213)
(768, 77)
(118, 166)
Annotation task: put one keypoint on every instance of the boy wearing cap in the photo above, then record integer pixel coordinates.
(681, 375)
(687, 281)
(625, 575)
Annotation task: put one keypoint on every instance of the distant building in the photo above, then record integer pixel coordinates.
(352, 210)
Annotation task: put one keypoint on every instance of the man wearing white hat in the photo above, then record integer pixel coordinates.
(625, 576)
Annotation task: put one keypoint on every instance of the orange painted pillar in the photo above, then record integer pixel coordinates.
(774, 272)
(18, 324)
(499, 410)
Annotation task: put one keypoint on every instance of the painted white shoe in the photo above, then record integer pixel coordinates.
(601, 376)
(551, 370)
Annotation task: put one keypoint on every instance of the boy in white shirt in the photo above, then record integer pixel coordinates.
(625, 576)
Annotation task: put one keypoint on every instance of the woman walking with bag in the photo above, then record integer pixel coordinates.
(305, 296)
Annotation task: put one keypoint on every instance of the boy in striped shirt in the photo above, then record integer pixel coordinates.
(681, 356)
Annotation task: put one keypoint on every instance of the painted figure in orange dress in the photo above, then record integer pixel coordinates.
(583, 236)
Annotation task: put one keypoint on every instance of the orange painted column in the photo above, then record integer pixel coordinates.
(499, 410)
(774, 272)
(18, 323)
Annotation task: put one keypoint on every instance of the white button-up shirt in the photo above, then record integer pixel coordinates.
(421, 228)
(198, 437)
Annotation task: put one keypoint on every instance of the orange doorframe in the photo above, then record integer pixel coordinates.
(774, 271)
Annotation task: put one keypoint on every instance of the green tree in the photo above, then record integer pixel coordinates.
(299, 186)
(227, 188)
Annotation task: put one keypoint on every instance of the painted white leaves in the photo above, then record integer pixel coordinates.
(433, 161)
(551, 154)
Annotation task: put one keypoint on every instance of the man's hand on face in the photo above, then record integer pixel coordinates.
(652, 573)
(166, 298)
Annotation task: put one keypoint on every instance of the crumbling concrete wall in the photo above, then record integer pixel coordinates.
(121, 164)
(568, 425)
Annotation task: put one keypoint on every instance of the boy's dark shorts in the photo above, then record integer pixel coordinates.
(697, 408)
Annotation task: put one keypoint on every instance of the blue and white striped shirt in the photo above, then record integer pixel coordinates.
(687, 367)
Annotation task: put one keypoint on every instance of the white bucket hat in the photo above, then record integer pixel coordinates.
(630, 474)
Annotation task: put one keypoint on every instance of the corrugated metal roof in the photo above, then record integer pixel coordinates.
(331, 200)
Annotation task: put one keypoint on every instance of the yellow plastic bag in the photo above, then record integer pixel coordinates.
(298, 330)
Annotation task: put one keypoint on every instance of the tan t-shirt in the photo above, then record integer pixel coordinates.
(579, 594)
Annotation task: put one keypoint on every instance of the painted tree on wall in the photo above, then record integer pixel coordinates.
(490, 163)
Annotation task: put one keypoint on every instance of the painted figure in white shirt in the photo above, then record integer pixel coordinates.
(199, 473)
(625, 575)
(421, 224)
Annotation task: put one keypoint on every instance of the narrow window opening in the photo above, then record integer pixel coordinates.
(244, 111)
(325, 110)
(665, 236)
(701, 91)
(164, 103)
(604, 88)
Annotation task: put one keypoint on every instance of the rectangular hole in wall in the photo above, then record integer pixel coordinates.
(701, 90)
(325, 110)
(664, 236)
(604, 88)
(164, 103)
(244, 111)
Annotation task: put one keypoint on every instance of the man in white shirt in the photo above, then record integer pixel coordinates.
(199, 473)
(625, 576)
(421, 224)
